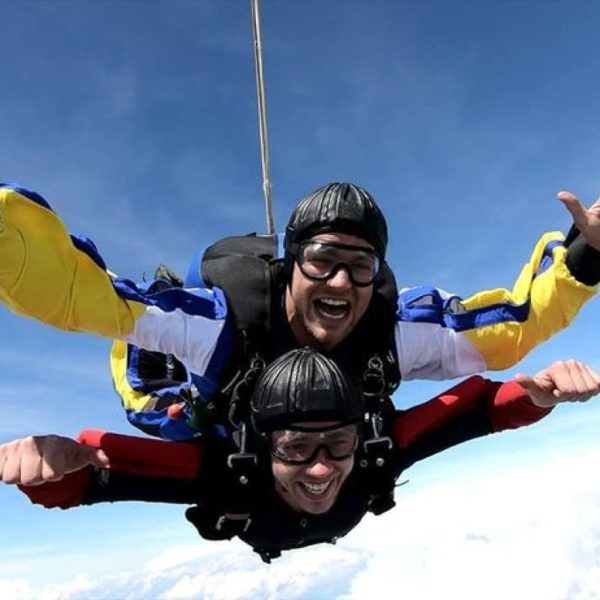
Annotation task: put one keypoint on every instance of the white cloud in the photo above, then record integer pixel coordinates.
(227, 571)
(525, 530)
(14, 589)
(237, 575)
(524, 535)
(77, 588)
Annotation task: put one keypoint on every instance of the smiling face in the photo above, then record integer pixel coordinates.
(313, 487)
(323, 313)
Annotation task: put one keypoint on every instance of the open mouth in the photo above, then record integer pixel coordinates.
(332, 308)
(316, 490)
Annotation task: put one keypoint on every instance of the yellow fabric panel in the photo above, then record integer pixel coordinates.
(43, 276)
(132, 399)
(556, 298)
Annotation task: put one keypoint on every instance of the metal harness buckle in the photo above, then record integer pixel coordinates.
(374, 378)
(377, 445)
(377, 449)
(242, 463)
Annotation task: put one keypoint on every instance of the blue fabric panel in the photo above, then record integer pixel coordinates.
(412, 295)
(547, 260)
(193, 279)
(201, 302)
(435, 311)
(490, 315)
(85, 245)
(411, 309)
(146, 286)
(132, 368)
(33, 196)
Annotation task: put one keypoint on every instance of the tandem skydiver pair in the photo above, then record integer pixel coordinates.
(331, 289)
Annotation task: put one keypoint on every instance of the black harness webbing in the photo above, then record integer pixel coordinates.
(247, 269)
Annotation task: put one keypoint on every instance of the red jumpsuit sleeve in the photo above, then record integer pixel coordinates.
(127, 454)
(507, 406)
(510, 407)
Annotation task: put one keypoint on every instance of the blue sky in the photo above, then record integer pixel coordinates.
(137, 121)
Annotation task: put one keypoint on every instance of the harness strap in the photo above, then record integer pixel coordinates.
(379, 469)
(377, 449)
(214, 525)
(241, 477)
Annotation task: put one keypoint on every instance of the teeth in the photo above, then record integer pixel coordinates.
(333, 308)
(334, 301)
(332, 316)
(316, 489)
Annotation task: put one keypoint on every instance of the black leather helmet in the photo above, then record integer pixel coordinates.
(304, 386)
(340, 208)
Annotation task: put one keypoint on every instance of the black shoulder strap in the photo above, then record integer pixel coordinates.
(386, 287)
(241, 267)
(380, 378)
(373, 339)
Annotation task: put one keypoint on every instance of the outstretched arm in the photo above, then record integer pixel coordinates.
(478, 406)
(441, 336)
(101, 467)
(61, 280)
(56, 278)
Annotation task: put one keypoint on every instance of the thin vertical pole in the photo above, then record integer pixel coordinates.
(262, 116)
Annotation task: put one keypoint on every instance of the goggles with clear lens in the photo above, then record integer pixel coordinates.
(302, 446)
(322, 260)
